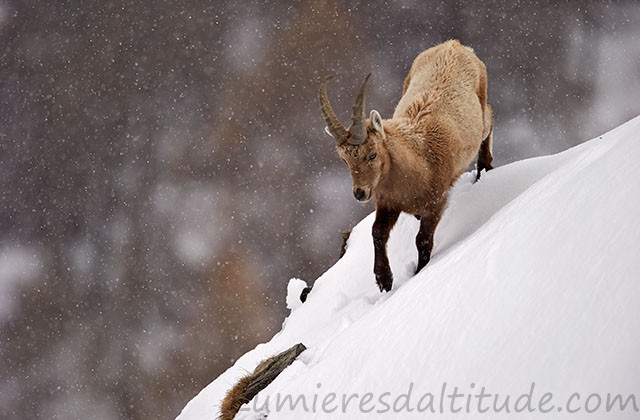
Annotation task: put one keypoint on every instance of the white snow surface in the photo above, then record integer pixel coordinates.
(534, 282)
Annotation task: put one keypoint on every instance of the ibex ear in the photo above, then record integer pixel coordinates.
(326, 130)
(376, 122)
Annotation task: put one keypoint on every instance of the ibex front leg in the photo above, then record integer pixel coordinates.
(424, 239)
(385, 219)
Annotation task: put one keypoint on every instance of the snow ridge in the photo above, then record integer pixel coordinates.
(532, 288)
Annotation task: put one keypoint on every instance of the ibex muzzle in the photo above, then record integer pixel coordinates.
(355, 144)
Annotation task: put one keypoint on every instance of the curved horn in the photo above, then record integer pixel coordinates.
(336, 129)
(358, 128)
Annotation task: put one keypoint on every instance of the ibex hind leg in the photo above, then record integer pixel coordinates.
(485, 154)
(485, 157)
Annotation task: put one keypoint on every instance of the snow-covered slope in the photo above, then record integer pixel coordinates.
(532, 295)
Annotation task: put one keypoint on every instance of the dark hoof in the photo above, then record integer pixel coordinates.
(486, 168)
(385, 281)
(422, 262)
(304, 294)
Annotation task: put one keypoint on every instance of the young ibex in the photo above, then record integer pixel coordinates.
(409, 162)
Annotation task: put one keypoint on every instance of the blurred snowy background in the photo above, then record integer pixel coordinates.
(164, 170)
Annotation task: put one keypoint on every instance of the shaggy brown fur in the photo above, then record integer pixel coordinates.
(409, 162)
(249, 386)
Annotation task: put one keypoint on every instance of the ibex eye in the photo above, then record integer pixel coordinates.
(373, 155)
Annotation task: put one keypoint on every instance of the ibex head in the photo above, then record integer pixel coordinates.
(361, 145)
